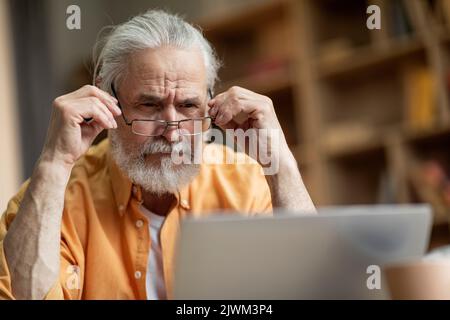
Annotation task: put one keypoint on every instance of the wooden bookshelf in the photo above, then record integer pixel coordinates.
(362, 110)
(365, 58)
(269, 83)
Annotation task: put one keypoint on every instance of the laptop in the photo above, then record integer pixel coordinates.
(337, 254)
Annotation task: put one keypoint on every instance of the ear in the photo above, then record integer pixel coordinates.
(98, 81)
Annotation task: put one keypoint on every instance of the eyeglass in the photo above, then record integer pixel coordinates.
(155, 128)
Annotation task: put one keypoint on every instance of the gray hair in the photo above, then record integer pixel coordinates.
(153, 29)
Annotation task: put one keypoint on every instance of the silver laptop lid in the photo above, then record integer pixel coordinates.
(331, 255)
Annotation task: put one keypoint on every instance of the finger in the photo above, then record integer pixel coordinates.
(226, 111)
(216, 102)
(97, 128)
(106, 98)
(256, 107)
(92, 130)
(104, 109)
(233, 94)
(224, 116)
(88, 90)
(212, 112)
(92, 111)
(237, 113)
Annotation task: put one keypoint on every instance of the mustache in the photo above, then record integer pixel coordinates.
(161, 145)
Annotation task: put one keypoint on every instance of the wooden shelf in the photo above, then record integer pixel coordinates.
(376, 141)
(237, 21)
(266, 84)
(354, 147)
(341, 74)
(431, 134)
(363, 58)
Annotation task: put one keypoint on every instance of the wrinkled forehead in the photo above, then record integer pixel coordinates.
(165, 69)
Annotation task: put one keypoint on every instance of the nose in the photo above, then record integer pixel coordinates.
(171, 133)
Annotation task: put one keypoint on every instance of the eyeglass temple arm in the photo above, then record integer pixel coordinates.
(118, 104)
(210, 97)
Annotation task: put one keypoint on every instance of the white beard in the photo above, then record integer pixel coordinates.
(156, 177)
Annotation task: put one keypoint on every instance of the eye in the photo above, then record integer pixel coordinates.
(150, 105)
(188, 105)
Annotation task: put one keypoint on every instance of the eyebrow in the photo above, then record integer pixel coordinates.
(149, 98)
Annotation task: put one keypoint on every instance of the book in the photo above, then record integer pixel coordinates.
(420, 98)
(400, 24)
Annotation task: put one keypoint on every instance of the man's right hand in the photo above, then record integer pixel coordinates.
(35, 268)
(69, 136)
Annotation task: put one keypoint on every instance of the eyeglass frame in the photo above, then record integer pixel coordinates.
(167, 123)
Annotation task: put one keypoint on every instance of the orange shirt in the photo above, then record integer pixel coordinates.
(105, 239)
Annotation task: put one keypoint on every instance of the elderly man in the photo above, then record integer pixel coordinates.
(101, 222)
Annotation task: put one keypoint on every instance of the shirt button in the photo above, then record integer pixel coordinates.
(137, 275)
(121, 207)
(139, 223)
(184, 204)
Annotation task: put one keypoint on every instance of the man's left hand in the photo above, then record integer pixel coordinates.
(239, 108)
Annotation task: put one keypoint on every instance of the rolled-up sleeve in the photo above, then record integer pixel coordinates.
(68, 286)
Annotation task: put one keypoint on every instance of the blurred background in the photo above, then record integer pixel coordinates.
(366, 112)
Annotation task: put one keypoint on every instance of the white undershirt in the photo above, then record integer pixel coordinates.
(154, 285)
